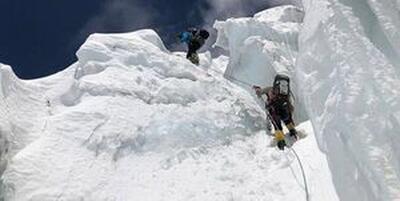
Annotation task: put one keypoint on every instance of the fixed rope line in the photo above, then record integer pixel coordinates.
(285, 41)
(291, 148)
(298, 160)
(303, 173)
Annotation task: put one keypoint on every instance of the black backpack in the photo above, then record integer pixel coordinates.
(281, 89)
(281, 86)
(200, 36)
(204, 33)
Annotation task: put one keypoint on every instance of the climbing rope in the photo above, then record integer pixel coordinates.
(285, 42)
(300, 164)
(293, 59)
(303, 173)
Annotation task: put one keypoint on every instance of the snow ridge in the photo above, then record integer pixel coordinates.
(123, 97)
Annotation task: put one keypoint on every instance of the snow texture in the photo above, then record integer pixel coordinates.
(132, 121)
(349, 69)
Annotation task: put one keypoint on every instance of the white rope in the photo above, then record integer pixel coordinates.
(285, 42)
(304, 175)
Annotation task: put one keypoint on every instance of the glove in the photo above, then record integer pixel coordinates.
(280, 139)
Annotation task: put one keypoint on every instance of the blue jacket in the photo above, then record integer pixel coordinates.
(185, 37)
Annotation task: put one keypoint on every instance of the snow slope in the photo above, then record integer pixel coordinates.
(132, 121)
(349, 67)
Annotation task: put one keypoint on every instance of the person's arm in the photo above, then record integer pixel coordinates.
(261, 91)
(265, 90)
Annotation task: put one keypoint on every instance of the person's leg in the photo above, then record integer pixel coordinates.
(275, 119)
(286, 117)
(193, 46)
(269, 123)
(190, 51)
(276, 122)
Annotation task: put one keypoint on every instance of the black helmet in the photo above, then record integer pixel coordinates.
(204, 33)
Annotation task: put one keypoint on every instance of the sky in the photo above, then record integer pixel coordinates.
(41, 37)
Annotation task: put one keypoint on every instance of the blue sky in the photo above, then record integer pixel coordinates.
(40, 37)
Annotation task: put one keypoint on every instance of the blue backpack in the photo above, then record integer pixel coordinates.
(185, 37)
(194, 34)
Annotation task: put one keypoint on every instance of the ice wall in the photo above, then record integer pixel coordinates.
(348, 73)
(22, 116)
(25, 108)
(262, 46)
(386, 13)
(4, 142)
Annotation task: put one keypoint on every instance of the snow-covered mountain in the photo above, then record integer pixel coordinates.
(132, 121)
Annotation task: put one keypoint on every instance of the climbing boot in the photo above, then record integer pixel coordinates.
(194, 58)
(280, 139)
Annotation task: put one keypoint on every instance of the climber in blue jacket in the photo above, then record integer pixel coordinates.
(195, 39)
